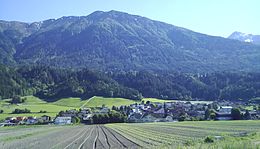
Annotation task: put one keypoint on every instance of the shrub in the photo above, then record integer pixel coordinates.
(43, 111)
(75, 120)
(208, 140)
(17, 99)
(18, 111)
(236, 114)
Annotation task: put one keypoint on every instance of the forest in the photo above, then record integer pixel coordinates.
(52, 84)
(206, 86)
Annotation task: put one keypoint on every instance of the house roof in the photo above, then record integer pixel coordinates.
(226, 107)
(136, 115)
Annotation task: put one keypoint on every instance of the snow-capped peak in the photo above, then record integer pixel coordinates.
(255, 39)
(248, 40)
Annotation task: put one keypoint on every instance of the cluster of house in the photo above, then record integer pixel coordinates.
(85, 115)
(165, 112)
(143, 112)
(175, 111)
(63, 117)
(24, 120)
(225, 108)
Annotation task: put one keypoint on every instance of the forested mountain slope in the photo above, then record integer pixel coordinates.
(120, 41)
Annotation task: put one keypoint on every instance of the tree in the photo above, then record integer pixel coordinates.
(148, 102)
(43, 111)
(235, 114)
(247, 115)
(212, 116)
(1, 111)
(75, 120)
(17, 99)
(114, 108)
(18, 111)
(207, 114)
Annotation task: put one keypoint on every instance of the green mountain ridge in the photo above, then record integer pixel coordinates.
(113, 41)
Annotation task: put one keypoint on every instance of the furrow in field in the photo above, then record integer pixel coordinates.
(68, 139)
(103, 139)
(41, 140)
(125, 142)
(77, 142)
(95, 143)
(142, 140)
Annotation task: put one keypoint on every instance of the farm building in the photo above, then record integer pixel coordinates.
(224, 113)
(31, 120)
(225, 110)
(62, 120)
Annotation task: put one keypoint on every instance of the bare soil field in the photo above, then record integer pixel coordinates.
(63, 137)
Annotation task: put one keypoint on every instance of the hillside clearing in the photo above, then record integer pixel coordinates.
(109, 102)
(70, 102)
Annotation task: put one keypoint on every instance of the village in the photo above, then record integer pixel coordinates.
(145, 112)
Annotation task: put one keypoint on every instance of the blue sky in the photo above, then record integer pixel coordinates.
(213, 17)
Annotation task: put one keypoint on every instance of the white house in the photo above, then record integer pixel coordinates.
(62, 120)
(87, 116)
(224, 113)
(169, 118)
(159, 111)
(104, 110)
(225, 109)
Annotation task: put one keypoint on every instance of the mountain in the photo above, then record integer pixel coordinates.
(11, 34)
(255, 39)
(113, 41)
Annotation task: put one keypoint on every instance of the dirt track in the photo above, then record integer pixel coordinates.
(73, 137)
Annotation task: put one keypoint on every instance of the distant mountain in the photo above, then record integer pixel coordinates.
(255, 39)
(113, 41)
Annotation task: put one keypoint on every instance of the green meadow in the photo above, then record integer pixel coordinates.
(34, 104)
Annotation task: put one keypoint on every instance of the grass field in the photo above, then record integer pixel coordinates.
(34, 104)
(192, 134)
(162, 101)
(108, 102)
(70, 102)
